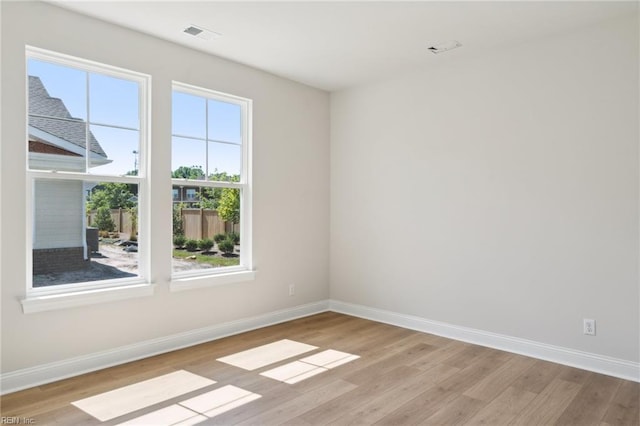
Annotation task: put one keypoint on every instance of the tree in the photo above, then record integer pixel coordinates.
(229, 206)
(133, 212)
(186, 172)
(178, 228)
(111, 195)
(103, 220)
(209, 198)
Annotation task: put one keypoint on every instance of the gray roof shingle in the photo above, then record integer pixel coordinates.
(40, 103)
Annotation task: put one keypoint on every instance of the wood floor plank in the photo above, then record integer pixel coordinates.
(624, 408)
(574, 375)
(484, 364)
(538, 376)
(591, 403)
(401, 377)
(379, 406)
(456, 412)
(301, 404)
(504, 408)
(499, 379)
(549, 405)
(335, 409)
(364, 373)
(417, 410)
(437, 356)
(467, 356)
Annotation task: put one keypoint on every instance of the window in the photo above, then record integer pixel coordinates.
(210, 162)
(191, 194)
(86, 172)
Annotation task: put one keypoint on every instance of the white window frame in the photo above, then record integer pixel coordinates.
(76, 294)
(184, 280)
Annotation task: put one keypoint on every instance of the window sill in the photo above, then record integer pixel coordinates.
(181, 283)
(50, 302)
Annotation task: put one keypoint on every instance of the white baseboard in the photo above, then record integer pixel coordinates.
(47, 373)
(623, 369)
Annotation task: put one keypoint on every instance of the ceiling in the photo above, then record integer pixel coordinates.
(336, 45)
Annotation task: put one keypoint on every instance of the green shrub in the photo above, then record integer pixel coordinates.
(206, 244)
(219, 237)
(235, 237)
(178, 226)
(179, 240)
(226, 246)
(191, 245)
(103, 220)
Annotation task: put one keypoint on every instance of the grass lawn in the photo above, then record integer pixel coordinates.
(211, 259)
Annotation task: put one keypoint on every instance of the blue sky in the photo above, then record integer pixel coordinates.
(114, 102)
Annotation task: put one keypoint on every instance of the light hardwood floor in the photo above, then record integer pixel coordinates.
(401, 377)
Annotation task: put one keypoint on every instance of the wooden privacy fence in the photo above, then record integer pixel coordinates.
(197, 223)
(121, 217)
(204, 223)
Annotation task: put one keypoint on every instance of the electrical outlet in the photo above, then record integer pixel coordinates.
(292, 289)
(589, 327)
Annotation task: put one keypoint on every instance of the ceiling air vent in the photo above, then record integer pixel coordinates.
(200, 32)
(444, 47)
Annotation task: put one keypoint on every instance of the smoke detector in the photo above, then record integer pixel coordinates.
(444, 47)
(200, 32)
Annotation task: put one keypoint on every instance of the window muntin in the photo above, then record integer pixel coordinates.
(211, 160)
(72, 158)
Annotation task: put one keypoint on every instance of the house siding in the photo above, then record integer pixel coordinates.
(58, 232)
(58, 214)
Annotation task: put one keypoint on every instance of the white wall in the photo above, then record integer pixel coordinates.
(499, 192)
(291, 192)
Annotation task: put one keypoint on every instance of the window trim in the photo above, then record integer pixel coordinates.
(245, 271)
(49, 302)
(74, 294)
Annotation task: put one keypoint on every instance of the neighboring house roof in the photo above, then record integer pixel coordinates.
(69, 129)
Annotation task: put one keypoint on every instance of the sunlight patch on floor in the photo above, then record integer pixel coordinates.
(197, 409)
(128, 399)
(330, 358)
(172, 415)
(310, 366)
(118, 402)
(293, 372)
(261, 356)
(220, 400)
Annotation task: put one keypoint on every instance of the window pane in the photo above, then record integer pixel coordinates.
(113, 101)
(56, 139)
(56, 90)
(49, 151)
(114, 151)
(188, 158)
(188, 115)
(221, 225)
(84, 231)
(225, 161)
(225, 121)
